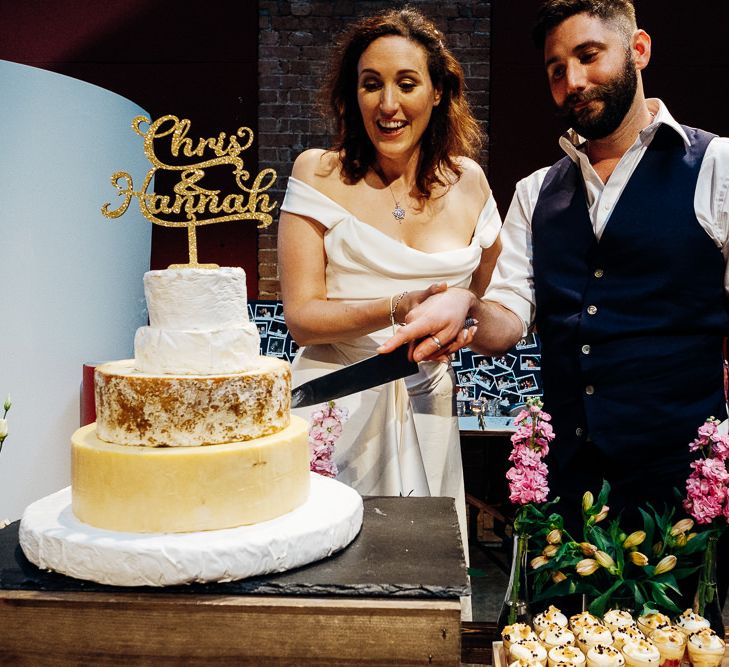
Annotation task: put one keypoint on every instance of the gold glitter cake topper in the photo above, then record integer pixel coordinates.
(192, 204)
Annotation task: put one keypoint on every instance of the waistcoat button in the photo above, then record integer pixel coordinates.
(591, 310)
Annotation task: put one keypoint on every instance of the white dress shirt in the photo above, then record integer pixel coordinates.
(512, 284)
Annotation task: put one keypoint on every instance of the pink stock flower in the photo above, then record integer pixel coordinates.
(325, 430)
(528, 485)
(528, 477)
(720, 446)
(707, 487)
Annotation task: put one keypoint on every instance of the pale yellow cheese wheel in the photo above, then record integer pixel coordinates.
(187, 489)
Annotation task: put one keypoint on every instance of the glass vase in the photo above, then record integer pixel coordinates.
(515, 608)
(706, 601)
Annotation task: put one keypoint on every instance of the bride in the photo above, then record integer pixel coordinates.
(395, 211)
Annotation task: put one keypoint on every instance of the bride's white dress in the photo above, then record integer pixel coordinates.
(401, 437)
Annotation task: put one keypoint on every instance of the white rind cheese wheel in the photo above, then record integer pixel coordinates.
(196, 299)
(196, 352)
(135, 408)
(169, 490)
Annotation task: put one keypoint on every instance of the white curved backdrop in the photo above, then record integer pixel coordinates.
(70, 279)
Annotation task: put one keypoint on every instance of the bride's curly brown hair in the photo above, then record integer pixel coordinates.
(452, 131)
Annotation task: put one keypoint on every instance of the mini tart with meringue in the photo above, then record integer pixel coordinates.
(652, 621)
(520, 662)
(705, 648)
(627, 633)
(583, 620)
(594, 635)
(528, 650)
(565, 655)
(671, 644)
(604, 656)
(550, 616)
(641, 653)
(517, 632)
(554, 635)
(617, 618)
(689, 622)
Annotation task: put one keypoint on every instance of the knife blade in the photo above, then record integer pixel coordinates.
(365, 374)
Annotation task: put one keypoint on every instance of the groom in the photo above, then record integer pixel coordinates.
(617, 255)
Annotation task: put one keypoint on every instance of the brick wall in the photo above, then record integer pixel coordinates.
(294, 41)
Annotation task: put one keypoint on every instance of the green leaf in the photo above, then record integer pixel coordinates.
(649, 526)
(602, 497)
(659, 598)
(599, 604)
(669, 581)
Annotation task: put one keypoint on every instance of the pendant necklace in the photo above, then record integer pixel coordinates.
(398, 212)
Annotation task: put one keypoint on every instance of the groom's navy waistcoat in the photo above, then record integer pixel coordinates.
(632, 325)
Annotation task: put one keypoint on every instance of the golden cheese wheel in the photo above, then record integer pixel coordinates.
(186, 489)
(136, 408)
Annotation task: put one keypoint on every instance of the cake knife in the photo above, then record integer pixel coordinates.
(364, 374)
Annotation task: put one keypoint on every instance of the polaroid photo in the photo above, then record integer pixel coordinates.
(509, 400)
(505, 361)
(465, 377)
(482, 362)
(529, 341)
(456, 360)
(277, 328)
(530, 362)
(264, 311)
(505, 380)
(465, 393)
(293, 348)
(484, 380)
(262, 328)
(275, 347)
(488, 394)
(279, 312)
(528, 384)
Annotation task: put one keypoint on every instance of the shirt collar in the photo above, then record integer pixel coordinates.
(575, 145)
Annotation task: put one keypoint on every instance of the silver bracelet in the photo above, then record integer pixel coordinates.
(393, 306)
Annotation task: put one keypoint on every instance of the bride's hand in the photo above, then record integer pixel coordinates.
(435, 326)
(412, 299)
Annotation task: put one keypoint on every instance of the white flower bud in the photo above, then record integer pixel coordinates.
(638, 558)
(666, 564)
(682, 526)
(586, 567)
(634, 539)
(604, 559)
(554, 536)
(3, 428)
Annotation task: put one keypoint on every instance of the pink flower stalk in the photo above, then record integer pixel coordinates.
(325, 430)
(707, 487)
(528, 477)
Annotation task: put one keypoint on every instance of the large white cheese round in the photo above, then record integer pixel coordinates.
(53, 538)
(185, 489)
(155, 410)
(196, 352)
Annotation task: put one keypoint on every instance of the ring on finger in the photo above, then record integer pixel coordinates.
(437, 342)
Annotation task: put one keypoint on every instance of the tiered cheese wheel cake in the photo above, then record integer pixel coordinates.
(195, 433)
